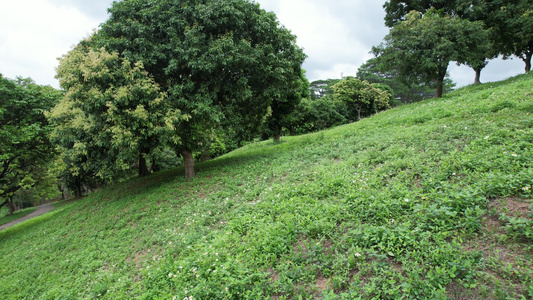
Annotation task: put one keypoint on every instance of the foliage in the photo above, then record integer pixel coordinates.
(422, 47)
(221, 63)
(112, 116)
(283, 111)
(322, 88)
(374, 71)
(25, 149)
(397, 11)
(315, 115)
(362, 95)
(402, 204)
(508, 22)
(511, 24)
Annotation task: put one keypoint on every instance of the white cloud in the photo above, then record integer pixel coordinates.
(34, 33)
(328, 40)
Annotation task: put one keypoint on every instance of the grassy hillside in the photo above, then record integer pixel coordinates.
(429, 200)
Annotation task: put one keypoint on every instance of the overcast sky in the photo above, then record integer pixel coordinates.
(336, 35)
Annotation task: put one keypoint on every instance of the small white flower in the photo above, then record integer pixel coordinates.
(406, 200)
(357, 254)
(515, 155)
(169, 275)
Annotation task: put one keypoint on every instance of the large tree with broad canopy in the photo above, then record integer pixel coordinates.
(218, 63)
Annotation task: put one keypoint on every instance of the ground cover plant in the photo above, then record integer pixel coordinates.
(430, 200)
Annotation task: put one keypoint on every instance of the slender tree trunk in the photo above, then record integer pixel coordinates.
(527, 60)
(79, 192)
(291, 130)
(188, 159)
(143, 167)
(359, 113)
(11, 205)
(277, 137)
(477, 80)
(440, 83)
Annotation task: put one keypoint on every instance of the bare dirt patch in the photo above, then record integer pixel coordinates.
(512, 206)
(273, 275)
(322, 284)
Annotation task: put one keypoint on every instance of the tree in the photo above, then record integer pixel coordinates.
(282, 111)
(471, 10)
(422, 47)
(220, 62)
(112, 116)
(511, 27)
(322, 88)
(314, 115)
(397, 11)
(362, 95)
(374, 71)
(25, 148)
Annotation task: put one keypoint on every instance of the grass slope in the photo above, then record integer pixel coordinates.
(5, 218)
(423, 201)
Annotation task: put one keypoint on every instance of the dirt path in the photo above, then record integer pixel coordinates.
(40, 210)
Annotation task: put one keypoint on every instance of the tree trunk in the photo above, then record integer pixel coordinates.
(277, 137)
(439, 82)
(527, 60)
(188, 159)
(359, 113)
(478, 76)
(143, 168)
(11, 205)
(79, 192)
(291, 130)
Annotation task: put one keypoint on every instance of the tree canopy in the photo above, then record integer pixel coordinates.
(361, 95)
(509, 23)
(374, 71)
(217, 64)
(112, 114)
(25, 149)
(422, 47)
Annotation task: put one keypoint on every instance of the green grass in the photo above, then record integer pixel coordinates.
(5, 218)
(426, 201)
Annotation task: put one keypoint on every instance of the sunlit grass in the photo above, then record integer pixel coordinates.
(420, 201)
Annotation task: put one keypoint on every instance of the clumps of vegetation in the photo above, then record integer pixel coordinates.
(429, 200)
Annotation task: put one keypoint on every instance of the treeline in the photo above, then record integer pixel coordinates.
(170, 82)
(426, 36)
